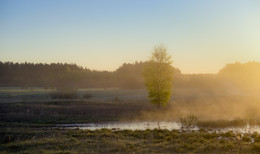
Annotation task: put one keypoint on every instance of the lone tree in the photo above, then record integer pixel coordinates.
(158, 76)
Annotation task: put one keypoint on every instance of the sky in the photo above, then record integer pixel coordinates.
(201, 36)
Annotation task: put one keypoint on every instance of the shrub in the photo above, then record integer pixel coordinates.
(87, 96)
(246, 139)
(257, 139)
(190, 121)
(228, 134)
(64, 93)
(254, 135)
(256, 147)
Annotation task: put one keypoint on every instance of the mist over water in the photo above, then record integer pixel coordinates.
(209, 107)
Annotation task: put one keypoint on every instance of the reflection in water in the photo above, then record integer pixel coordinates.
(149, 125)
(124, 125)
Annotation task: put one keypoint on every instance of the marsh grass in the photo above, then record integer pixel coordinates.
(64, 93)
(56, 112)
(236, 123)
(87, 96)
(32, 140)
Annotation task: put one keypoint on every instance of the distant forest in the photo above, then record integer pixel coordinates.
(127, 76)
(56, 75)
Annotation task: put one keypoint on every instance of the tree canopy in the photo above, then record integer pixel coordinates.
(158, 75)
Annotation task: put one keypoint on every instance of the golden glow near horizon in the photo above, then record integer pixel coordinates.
(201, 36)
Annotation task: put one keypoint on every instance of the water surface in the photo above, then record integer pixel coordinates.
(150, 125)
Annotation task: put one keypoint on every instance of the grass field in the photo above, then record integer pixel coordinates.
(26, 118)
(29, 140)
(57, 112)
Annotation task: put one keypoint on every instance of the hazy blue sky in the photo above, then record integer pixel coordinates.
(201, 35)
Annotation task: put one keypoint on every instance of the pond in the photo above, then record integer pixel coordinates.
(123, 125)
(150, 125)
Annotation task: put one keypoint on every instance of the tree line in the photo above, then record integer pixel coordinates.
(127, 76)
(56, 75)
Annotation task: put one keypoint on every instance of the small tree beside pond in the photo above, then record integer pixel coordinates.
(158, 76)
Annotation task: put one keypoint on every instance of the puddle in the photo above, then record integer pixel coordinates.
(123, 125)
(149, 125)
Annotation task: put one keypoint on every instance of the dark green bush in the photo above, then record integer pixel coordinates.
(64, 93)
(246, 137)
(256, 147)
(87, 96)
